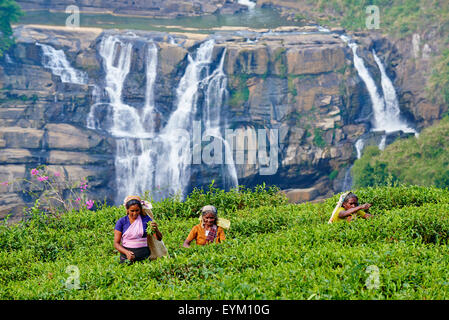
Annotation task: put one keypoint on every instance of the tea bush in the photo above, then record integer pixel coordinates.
(273, 250)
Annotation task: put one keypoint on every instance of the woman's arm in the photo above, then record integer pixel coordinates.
(221, 235)
(345, 213)
(186, 243)
(192, 235)
(120, 248)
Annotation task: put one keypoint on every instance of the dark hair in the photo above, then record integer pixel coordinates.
(350, 195)
(133, 202)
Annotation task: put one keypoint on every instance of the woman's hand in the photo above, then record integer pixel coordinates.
(365, 206)
(130, 255)
(154, 226)
(155, 230)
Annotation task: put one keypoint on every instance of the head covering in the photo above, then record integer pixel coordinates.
(146, 205)
(209, 208)
(224, 223)
(129, 198)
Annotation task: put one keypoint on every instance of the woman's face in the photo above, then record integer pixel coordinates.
(209, 219)
(133, 211)
(351, 203)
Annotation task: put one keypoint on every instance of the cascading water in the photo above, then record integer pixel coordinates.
(151, 72)
(175, 162)
(359, 144)
(154, 160)
(215, 94)
(131, 128)
(383, 142)
(116, 54)
(376, 100)
(60, 66)
(386, 112)
(390, 117)
(250, 4)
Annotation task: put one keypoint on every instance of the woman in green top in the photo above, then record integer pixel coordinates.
(351, 208)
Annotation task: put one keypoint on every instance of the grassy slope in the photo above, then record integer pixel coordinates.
(417, 161)
(277, 251)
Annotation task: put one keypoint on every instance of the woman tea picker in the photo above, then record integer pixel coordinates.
(131, 231)
(348, 208)
(207, 231)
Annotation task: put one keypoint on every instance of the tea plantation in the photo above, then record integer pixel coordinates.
(274, 250)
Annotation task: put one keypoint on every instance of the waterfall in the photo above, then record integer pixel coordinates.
(151, 72)
(385, 106)
(250, 4)
(383, 140)
(377, 101)
(390, 117)
(359, 144)
(60, 66)
(126, 121)
(153, 159)
(386, 112)
(174, 163)
(128, 125)
(216, 90)
(347, 181)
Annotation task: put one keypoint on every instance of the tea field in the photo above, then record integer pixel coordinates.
(273, 250)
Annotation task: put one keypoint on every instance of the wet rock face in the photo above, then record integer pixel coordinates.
(410, 65)
(43, 121)
(303, 86)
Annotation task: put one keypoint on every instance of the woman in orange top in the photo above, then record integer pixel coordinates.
(207, 230)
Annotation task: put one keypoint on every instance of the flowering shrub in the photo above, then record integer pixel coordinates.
(53, 193)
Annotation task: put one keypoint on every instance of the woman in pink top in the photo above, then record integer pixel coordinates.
(130, 235)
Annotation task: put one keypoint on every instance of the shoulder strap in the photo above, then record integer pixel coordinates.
(339, 203)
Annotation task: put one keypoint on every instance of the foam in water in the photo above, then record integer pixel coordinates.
(151, 72)
(251, 5)
(359, 144)
(60, 66)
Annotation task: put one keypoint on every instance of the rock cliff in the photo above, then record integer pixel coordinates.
(409, 57)
(298, 82)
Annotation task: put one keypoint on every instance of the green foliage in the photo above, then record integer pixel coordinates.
(292, 87)
(369, 171)
(225, 202)
(333, 175)
(413, 161)
(438, 88)
(273, 251)
(318, 139)
(9, 12)
(239, 94)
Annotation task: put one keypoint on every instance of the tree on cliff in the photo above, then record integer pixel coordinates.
(9, 12)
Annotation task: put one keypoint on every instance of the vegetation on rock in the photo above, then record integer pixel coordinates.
(9, 12)
(415, 161)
